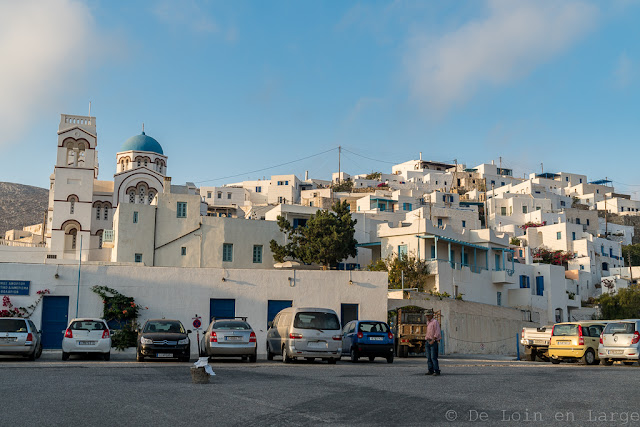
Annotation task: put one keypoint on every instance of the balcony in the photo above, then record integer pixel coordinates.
(108, 238)
(503, 277)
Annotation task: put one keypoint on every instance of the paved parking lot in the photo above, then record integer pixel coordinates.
(470, 391)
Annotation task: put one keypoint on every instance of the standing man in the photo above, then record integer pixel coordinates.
(432, 338)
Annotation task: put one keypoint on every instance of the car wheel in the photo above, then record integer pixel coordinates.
(606, 362)
(531, 357)
(390, 359)
(269, 354)
(139, 357)
(285, 356)
(107, 356)
(39, 352)
(555, 361)
(65, 355)
(589, 357)
(331, 361)
(354, 355)
(254, 357)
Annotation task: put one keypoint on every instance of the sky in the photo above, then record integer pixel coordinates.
(248, 89)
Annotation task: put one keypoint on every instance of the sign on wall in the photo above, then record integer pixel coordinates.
(14, 287)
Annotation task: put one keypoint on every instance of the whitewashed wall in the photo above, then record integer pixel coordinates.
(181, 293)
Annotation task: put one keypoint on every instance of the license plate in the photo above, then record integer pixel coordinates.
(564, 342)
(615, 352)
(10, 339)
(317, 344)
(376, 338)
(164, 355)
(542, 342)
(233, 338)
(86, 342)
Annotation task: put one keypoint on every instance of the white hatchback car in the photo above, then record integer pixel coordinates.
(87, 336)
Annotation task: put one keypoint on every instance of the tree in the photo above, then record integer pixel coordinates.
(374, 176)
(415, 270)
(344, 186)
(634, 251)
(624, 304)
(326, 239)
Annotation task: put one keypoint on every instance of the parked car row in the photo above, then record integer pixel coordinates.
(588, 342)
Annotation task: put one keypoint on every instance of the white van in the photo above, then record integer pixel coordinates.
(305, 332)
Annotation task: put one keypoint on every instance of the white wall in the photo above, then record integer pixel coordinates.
(180, 293)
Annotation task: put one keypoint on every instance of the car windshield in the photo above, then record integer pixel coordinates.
(372, 327)
(620, 328)
(88, 325)
(316, 320)
(565, 330)
(164, 326)
(230, 325)
(13, 325)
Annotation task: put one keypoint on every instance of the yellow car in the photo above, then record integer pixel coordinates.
(576, 341)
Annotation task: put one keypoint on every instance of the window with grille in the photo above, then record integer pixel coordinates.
(257, 254)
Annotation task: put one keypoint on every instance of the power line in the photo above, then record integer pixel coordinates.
(628, 185)
(267, 168)
(369, 158)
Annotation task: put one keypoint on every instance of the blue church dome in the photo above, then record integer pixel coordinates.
(142, 142)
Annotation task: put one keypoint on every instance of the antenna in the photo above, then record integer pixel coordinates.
(142, 127)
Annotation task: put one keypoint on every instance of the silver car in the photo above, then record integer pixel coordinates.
(231, 337)
(305, 332)
(20, 337)
(620, 340)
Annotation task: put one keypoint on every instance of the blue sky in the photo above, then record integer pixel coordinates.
(233, 87)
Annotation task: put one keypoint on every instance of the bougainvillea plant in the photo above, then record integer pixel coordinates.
(122, 311)
(546, 256)
(533, 224)
(26, 312)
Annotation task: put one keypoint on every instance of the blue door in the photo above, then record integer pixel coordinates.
(275, 306)
(348, 312)
(222, 308)
(55, 319)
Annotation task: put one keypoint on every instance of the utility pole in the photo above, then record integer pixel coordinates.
(606, 228)
(542, 167)
(339, 171)
(486, 213)
(630, 269)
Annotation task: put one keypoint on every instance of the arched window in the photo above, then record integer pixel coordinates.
(72, 204)
(145, 163)
(99, 239)
(98, 212)
(106, 212)
(132, 196)
(74, 237)
(151, 196)
(139, 161)
(81, 156)
(141, 190)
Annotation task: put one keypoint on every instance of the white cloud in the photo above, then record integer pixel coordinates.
(45, 47)
(623, 73)
(506, 44)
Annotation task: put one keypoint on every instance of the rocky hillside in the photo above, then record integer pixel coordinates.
(21, 205)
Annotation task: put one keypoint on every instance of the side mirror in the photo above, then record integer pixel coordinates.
(189, 331)
(269, 324)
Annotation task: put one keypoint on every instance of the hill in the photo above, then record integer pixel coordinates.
(21, 205)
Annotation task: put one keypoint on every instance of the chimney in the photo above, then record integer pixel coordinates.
(167, 184)
(493, 162)
(306, 175)
(421, 156)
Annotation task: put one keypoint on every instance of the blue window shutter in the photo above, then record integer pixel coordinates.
(528, 283)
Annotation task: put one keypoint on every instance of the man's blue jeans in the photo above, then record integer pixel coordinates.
(432, 356)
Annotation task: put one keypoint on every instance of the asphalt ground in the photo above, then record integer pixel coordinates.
(470, 391)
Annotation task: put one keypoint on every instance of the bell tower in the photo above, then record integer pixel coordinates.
(71, 189)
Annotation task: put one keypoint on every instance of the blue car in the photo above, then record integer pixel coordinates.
(367, 338)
